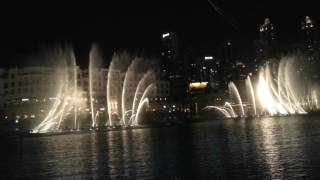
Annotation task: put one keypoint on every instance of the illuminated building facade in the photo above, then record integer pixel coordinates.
(27, 94)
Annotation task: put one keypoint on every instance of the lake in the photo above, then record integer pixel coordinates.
(266, 148)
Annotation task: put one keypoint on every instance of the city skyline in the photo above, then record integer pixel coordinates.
(139, 26)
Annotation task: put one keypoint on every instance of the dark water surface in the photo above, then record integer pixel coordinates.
(269, 148)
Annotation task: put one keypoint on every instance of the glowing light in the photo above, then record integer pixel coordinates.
(275, 93)
(208, 57)
(24, 99)
(165, 35)
(198, 85)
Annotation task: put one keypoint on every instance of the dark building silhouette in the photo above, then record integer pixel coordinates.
(309, 37)
(267, 47)
(172, 64)
(228, 64)
(309, 34)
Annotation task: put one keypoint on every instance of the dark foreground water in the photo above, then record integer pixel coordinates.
(270, 148)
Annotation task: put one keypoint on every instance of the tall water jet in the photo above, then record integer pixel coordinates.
(91, 61)
(95, 63)
(114, 92)
(252, 96)
(265, 95)
(75, 96)
(138, 93)
(110, 79)
(65, 99)
(129, 73)
(145, 101)
(233, 89)
(145, 93)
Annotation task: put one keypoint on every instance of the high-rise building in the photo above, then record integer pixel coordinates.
(169, 55)
(267, 44)
(228, 60)
(172, 64)
(309, 33)
(209, 70)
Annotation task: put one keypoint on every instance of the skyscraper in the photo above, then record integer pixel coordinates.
(266, 49)
(172, 64)
(169, 55)
(309, 33)
(228, 60)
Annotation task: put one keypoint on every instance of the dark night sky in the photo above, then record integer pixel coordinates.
(25, 28)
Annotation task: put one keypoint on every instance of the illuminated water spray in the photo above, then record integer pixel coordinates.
(252, 96)
(140, 82)
(68, 94)
(91, 74)
(274, 94)
(233, 90)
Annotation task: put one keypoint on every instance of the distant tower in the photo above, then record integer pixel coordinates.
(267, 42)
(228, 60)
(309, 33)
(172, 64)
(169, 54)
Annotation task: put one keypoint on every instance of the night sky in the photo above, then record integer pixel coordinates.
(26, 28)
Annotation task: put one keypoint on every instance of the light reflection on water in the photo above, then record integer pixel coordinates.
(269, 148)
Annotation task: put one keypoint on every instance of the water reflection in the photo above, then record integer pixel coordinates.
(270, 148)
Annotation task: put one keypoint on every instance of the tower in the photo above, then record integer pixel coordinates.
(309, 38)
(267, 43)
(172, 64)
